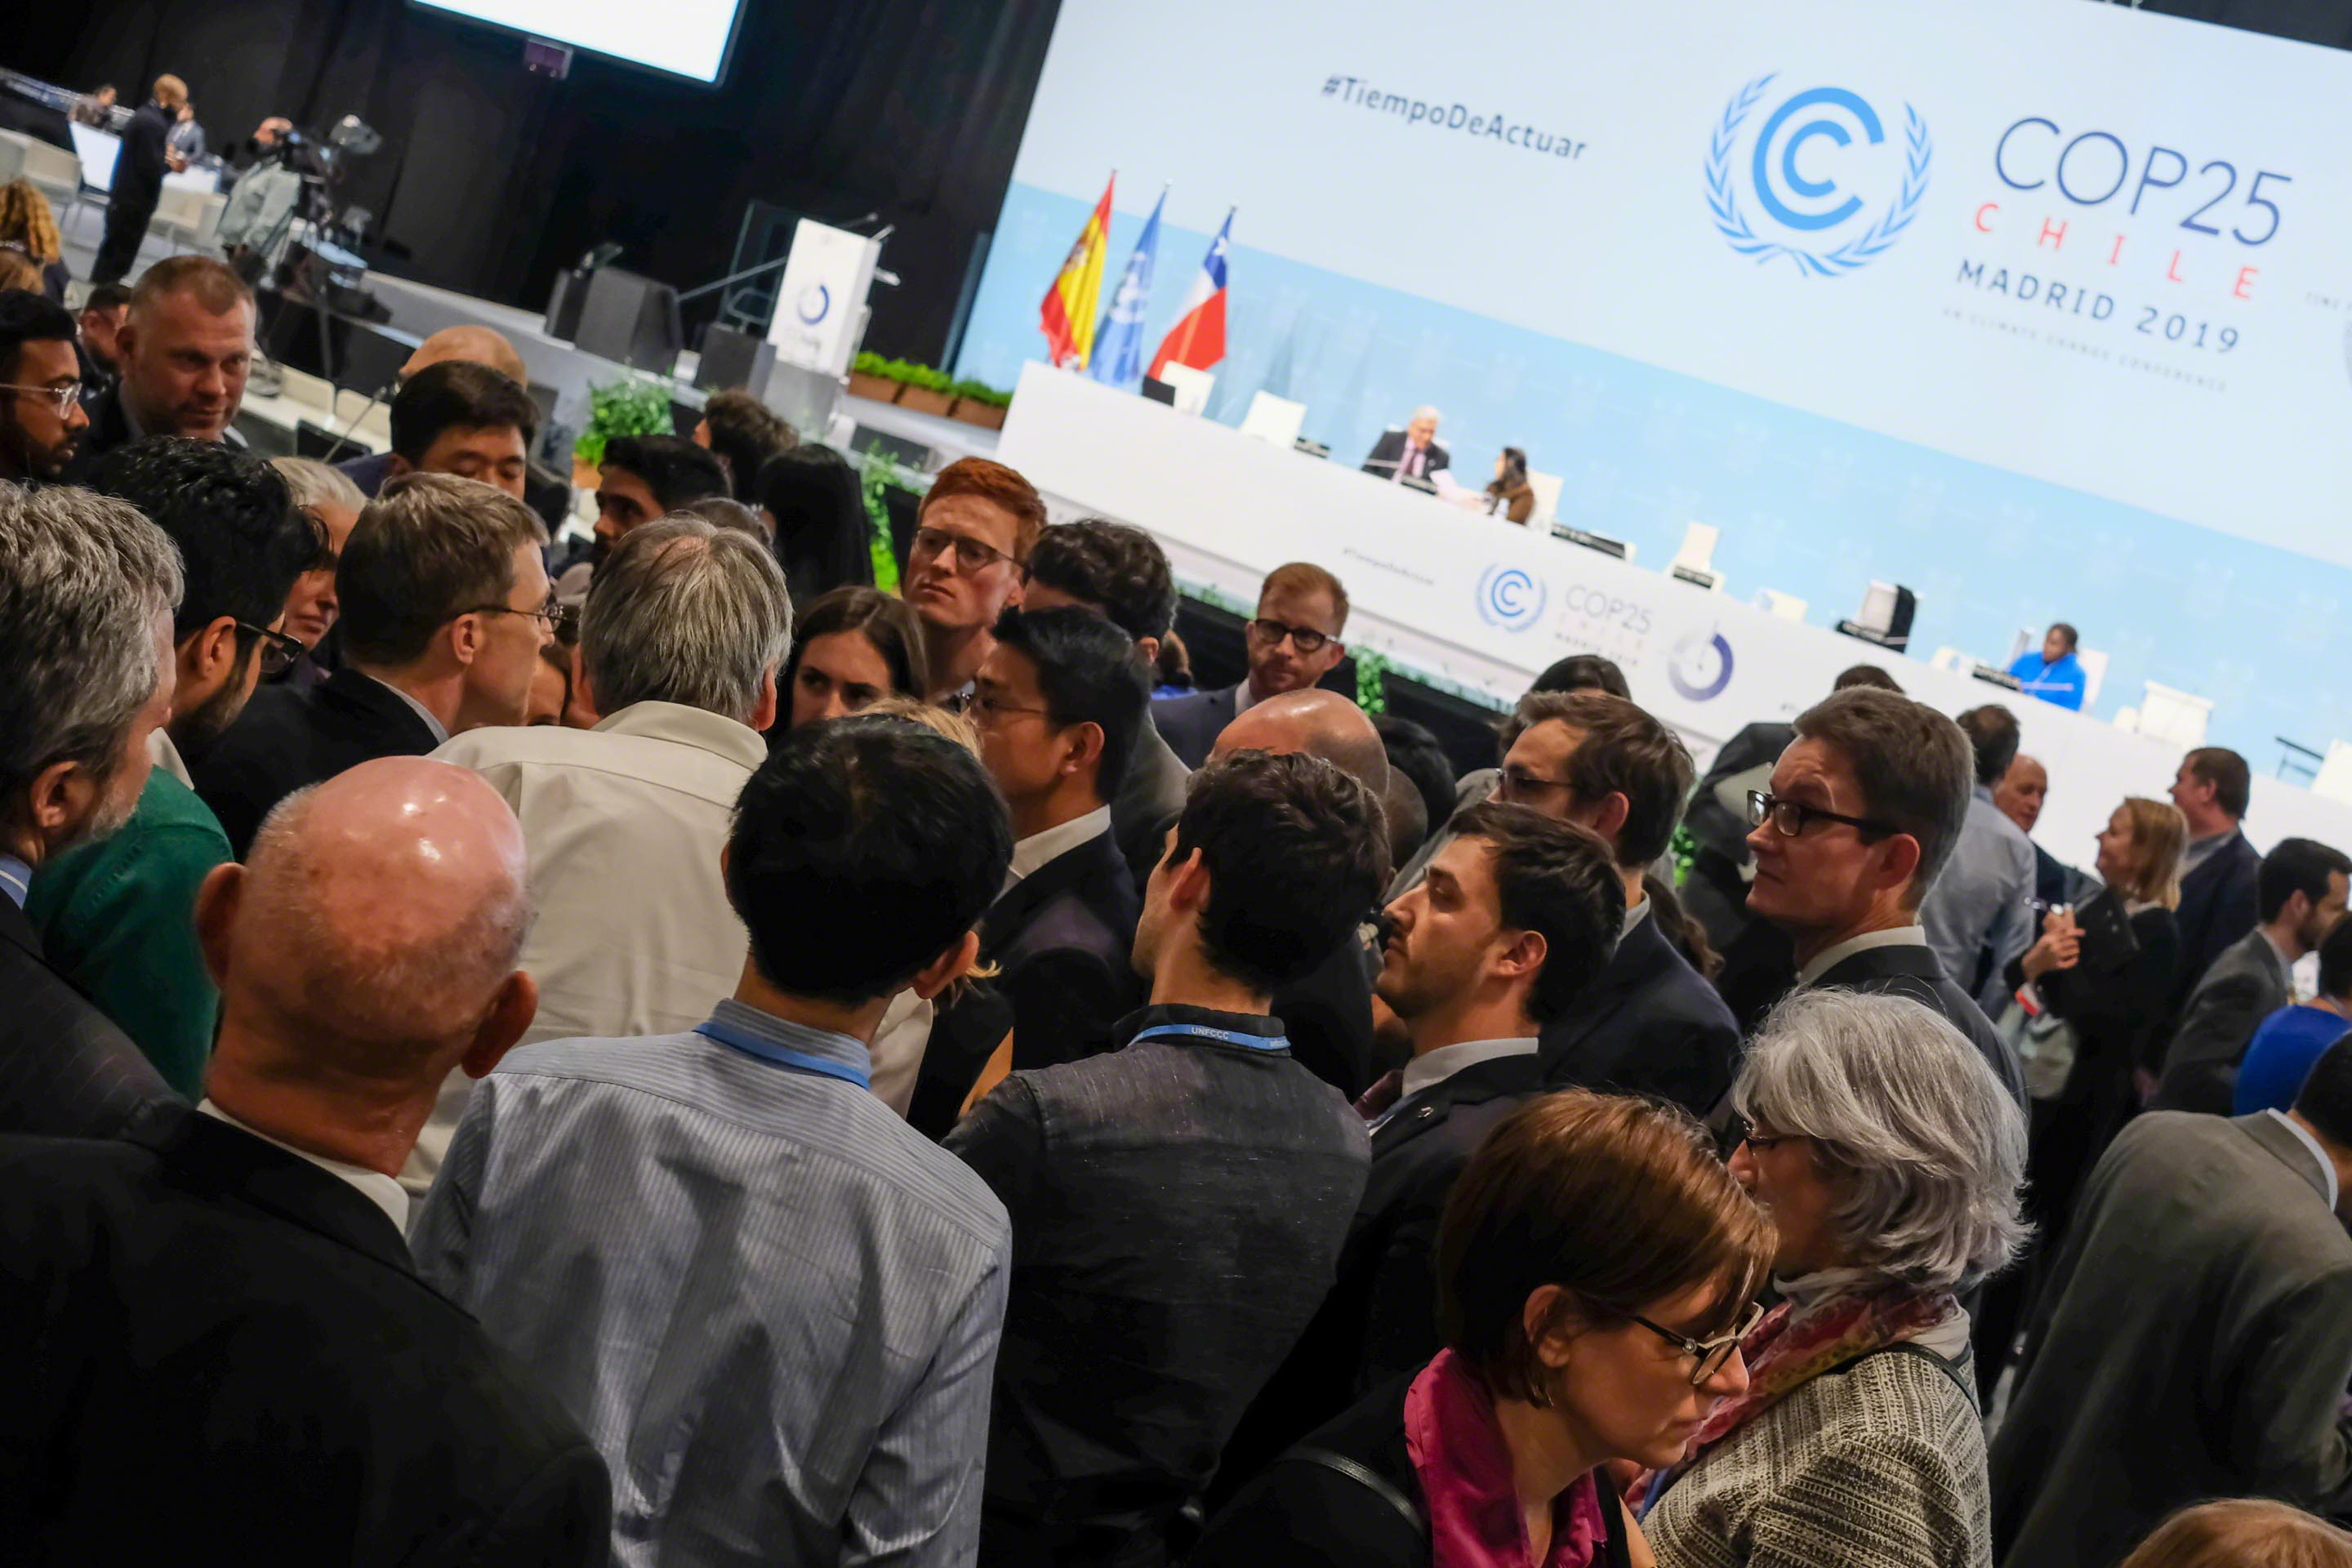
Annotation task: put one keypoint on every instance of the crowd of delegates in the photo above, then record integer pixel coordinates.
(676, 1054)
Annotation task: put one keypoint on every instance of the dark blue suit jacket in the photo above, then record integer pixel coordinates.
(1649, 1024)
(1190, 725)
(66, 1071)
(2217, 908)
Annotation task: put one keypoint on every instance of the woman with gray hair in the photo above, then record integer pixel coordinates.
(1891, 1157)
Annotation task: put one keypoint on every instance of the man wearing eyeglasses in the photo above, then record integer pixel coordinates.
(41, 417)
(967, 566)
(1517, 915)
(113, 915)
(1864, 810)
(445, 606)
(1293, 643)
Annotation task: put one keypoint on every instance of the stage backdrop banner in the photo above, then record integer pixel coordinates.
(2041, 310)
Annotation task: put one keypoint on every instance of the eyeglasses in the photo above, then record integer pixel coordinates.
(1744, 1131)
(970, 554)
(564, 620)
(1710, 1355)
(986, 709)
(1520, 787)
(1790, 818)
(62, 399)
(279, 651)
(1307, 639)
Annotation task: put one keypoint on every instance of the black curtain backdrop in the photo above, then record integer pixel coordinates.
(494, 178)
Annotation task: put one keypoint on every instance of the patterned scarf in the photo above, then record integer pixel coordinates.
(1791, 1346)
(1464, 1468)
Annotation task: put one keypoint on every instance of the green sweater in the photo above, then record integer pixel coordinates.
(117, 918)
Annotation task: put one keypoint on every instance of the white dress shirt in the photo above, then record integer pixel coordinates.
(631, 931)
(373, 1185)
(2302, 1135)
(167, 756)
(1040, 848)
(1829, 958)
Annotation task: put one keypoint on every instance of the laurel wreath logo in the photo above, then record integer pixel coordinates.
(1732, 224)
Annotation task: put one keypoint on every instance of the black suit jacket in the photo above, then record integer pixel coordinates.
(1648, 1025)
(140, 166)
(109, 428)
(218, 1352)
(1327, 1014)
(1151, 798)
(1191, 724)
(288, 739)
(1910, 970)
(2217, 901)
(66, 1071)
(1063, 941)
(1381, 1317)
(1389, 448)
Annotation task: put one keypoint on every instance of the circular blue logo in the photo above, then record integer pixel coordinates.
(1701, 667)
(814, 301)
(1510, 598)
(1800, 193)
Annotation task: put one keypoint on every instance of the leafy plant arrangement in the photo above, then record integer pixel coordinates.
(623, 408)
(1371, 672)
(979, 392)
(876, 472)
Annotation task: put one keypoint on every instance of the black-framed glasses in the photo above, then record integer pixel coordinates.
(970, 554)
(1790, 818)
(1709, 1354)
(1520, 787)
(279, 651)
(62, 399)
(1271, 632)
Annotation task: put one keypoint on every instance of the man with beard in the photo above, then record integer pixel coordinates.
(640, 479)
(41, 419)
(114, 916)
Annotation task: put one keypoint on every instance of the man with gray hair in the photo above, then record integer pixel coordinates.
(230, 1281)
(1411, 453)
(684, 631)
(87, 666)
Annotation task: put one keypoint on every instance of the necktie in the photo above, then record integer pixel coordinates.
(1383, 1096)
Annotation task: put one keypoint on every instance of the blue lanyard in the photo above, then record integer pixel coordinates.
(783, 1056)
(1222, 1037)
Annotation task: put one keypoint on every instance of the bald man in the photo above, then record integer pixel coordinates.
(217, 1316)
(472, 344)
(1329, 1014)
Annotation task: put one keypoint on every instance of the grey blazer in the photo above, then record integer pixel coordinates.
(2246, 985)
(2194, 1341)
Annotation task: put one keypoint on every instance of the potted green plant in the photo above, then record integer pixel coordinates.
(926, 390)
(628, 407)
(977, 403)
(869, 377)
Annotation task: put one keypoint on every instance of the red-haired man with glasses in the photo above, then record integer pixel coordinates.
(967, 566)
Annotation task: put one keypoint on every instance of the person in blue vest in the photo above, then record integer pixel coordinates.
(2055, 674)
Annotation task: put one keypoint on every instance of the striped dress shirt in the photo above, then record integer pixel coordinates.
(773, 1306)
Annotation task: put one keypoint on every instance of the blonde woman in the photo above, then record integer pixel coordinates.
(2108, 969)
(30, 228)
(2243, 1532)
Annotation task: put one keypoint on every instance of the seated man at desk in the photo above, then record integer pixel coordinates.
(1410, 453)
(2054, 674)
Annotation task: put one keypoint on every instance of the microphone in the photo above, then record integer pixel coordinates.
(344, 439)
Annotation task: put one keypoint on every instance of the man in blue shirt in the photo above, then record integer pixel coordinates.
(2297, 1035)
(2055, 674)
(772, 1304)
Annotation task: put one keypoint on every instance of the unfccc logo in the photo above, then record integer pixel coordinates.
(1803, 192)
(1510, 598)
(814, 301)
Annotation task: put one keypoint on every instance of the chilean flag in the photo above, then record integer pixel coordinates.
(1198, 338)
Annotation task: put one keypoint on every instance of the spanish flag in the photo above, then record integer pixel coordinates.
(1069, 312)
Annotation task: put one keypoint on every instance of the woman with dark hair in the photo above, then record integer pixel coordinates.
(1595, 1266)
(1514, 497)
(822, 535)
(853, 648)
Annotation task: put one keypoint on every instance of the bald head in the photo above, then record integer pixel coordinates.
(373, 932)
(1317, 723)
(474, 344)
(2021, 792)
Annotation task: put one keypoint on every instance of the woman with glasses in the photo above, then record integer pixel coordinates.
(1596, 1265)
(1890, 1157)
